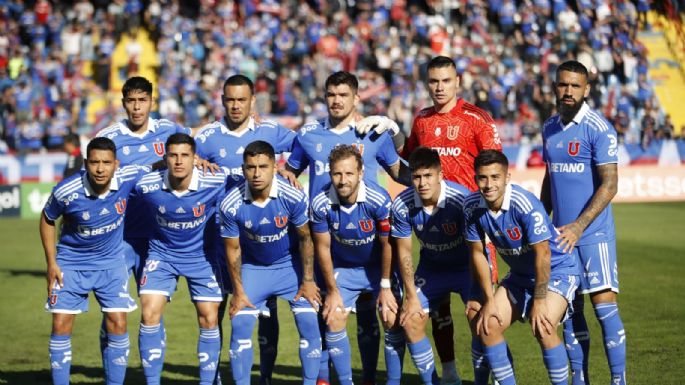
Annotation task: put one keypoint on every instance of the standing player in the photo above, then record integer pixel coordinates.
(433, 209)
(542, 277)
(580, 149)
(89, 256)
(350, 222)
(264, 224)
(223, 143)
(183, 201)
(310, 150)
(458, 131)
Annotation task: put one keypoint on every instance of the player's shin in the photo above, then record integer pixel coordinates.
(481, 368)
(500, 363)
(310, 344)
(324, 376)
(443, 335)
(394, 355)
(60, 358)
(368, 338)
(208, 350)
(268, 342)
(241, 347)
(422, 355)
(577, 341)
(150, 344)
(116, 358)
(614, 340)
(338, 345)
(555, 362)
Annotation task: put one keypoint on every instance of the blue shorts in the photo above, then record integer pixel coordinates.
(599, 270)
(109, 286)
(161, 277)
(136, 254)
(353, 281)
(283, 281)
(520, 290)
(433, 283)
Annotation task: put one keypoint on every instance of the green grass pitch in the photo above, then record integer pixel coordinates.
(651, 264)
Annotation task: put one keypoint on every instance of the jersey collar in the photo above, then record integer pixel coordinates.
(151, 126)
(225, 130)
(441, 198)
(361, 194)
(113, 185)
(506, 203)
(584, 109)
(273, 193)
(327, 126)
(194, 181)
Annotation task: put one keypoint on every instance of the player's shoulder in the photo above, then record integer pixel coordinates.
(597, 122)
(550, 123)
(288, 192)
(130, 172)
(207, 131)
(476, 113)
(454, 189)
(69, 185)
(269, 124)
(522, 200)
(209, 179)
(110, 131)
(322, 199)
(426, 112)
(309, 127)
(376, 194)
(404, 198)
(166, 124)
(472, 200)
(155, 176)
(235, 194)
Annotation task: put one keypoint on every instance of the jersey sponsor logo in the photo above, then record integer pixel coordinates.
(354, 241)
(359, 147)
(514, 252)
(146, 188)
(120, 206)
(267, 238)
(181, 225)
(366, 225)
(448, 151)
(86, 231)
(281, 221)
(514, 234)
(143, 148)
(439, 247)
(567, 167)
(539, 226)
(573, 147)
(159, 148)
(613, 145)
(321, 168)
(450, 228)
(452, 132)
(199, 210)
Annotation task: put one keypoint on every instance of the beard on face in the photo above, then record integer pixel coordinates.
(569, 111)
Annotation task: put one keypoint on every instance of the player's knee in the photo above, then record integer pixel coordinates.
(116, 323)
(208, 321)
(603, 297)
(307, 325)
(150, 316)
(62, 324)
(338, 321)
(415, 327)
(242, 324)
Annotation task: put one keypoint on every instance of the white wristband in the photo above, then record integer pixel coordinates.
(385, 283)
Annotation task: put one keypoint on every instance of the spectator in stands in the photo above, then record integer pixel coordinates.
(72, 146)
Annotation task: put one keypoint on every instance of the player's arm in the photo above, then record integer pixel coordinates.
(322, 248)
(411, 305)
(308, 288)
(480, 270)
(546, 192)
(48, 238)
(386, 299)
(539, 319)
(608, 186)
(234, 263)
(399, 172)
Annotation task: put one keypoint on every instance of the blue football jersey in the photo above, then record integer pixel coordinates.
(440, 232)
(218, 144)
(267, 233)
(184, 225)
(92, 230)
(143, 150)
(572, 154)
(315, 141)
(520, 223)
(354, 228)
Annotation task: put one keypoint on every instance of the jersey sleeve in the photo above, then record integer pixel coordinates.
(605, 145)
(471, 226)
(54, 207)
(284, 139)
(386, 155)
(297, 157)
(399, 220)
(183, 130)
(535, 223)
(299, 211)
(318, 218)
(487, 136)
(382, 217)
(229, 225)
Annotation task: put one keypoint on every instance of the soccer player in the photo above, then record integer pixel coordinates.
(433, 209)
(89, 256)
(264, 224)
(182, 201)
(580, 150)
(310, 150)
(350, 225)
(542, 278)
(458, 130)
(223, 143)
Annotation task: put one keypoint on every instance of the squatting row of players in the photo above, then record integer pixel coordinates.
(142, 204)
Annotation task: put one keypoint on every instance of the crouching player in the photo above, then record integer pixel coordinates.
(350, 222)
(90, 255)
(542, 279)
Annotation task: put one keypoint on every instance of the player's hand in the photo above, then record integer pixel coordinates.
(472, 307)
(568, 236)
(309, 291)
(204, 165)
(540, 322)
(489, 310)
(291, 178)
(378, 124)
(255, 116)
(334, 303)
(238, 302)
(387, 304)
(410, 307)
(54, 278)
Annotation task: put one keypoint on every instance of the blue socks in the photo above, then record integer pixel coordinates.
(268, 342)
(208, 350)
(310, 344)
(481, 368)
(241, 347)
(614, 340)
(500, 363)
(556, 364)
(324, 363)
(577, 340)
(151, 344)
(368, 338)
(394, 355)
(422, 356)
(338, 345)
(60, 359)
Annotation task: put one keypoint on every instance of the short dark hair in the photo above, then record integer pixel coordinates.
(344, 151)
(573, 66)
(180, 138)
(72, 138)
(488, 157)
(136, 83)
(441, 62)
(424, 157)
(239, 80)
(259, 147)
(342, 77)
(101, 143)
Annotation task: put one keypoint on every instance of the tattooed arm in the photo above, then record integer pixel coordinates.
(308, 288)
(411, 304)
(234, 263)
(540, 320)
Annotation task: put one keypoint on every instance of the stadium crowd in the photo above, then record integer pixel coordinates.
(56, 57)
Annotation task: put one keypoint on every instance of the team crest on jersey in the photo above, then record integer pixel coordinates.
(126, 150)
(159, 148)
(366, 225)
(452, 132)
(120, 206)
(514, 234)
(199, 210)
(248, 224)
(450, 228)
(222, 152)
(85, 216)
(573, 148)
(319, 147)
(438, 131)
(281, 221)
(359, 147)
